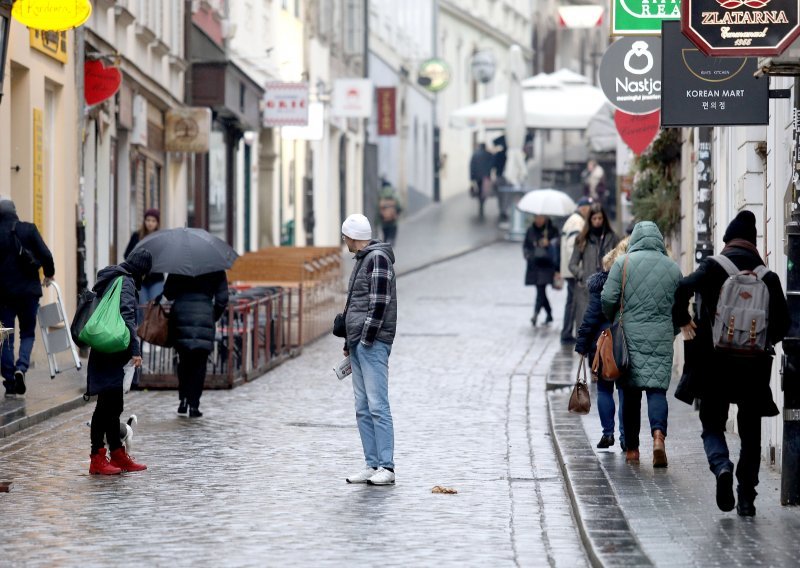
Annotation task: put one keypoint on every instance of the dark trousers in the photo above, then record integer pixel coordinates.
(105, 420)
(713, 415)
(191, 374)
(390, 233)
(567, 330)
(657, 411)
(542, 301)
(24, 309)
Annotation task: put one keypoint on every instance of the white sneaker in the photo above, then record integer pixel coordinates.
(382, 477)
(362, 476)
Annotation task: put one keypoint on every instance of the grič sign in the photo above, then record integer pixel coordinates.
(741, 27)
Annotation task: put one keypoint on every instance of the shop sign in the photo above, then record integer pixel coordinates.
(187, 129)
(352, 98)
(434, 74)
(709, 91)
(285, 104)
(630, 74)
(387, 111)
(100, 82)
(38, 168)
(52, 15)
(741, 27)
(637, 130)
(642, 17)
(314, 130)
(53, 44)
(704, 245)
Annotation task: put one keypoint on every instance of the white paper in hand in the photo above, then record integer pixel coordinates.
(343, 368)
(127, 378)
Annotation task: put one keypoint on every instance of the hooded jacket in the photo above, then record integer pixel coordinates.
(17, 280)
(372, 312)
(650, 283)
(104, 370)
(594, 321)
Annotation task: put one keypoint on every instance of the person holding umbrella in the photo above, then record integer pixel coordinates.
(541, 255)
(198, 287)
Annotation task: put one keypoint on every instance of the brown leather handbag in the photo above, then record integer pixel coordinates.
(611, 359)
(154, 328)
(579, 400)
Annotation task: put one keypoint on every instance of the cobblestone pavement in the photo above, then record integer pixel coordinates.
(260, 479)
(638, 515)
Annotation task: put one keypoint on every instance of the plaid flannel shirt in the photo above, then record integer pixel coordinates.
(380, 294)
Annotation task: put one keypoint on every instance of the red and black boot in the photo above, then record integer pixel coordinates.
(122, 460)
(100, 464)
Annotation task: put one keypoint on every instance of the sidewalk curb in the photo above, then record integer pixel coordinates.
(606, 535)
(33, 419)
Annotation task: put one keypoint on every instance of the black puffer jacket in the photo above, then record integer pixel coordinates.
(198, 302)
(594, 320)
(105, 369)
(15, 280)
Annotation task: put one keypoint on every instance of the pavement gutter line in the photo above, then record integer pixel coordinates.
(39, 417)
(588, 542)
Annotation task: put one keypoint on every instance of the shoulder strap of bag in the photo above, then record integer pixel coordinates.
(622, 293)
(355, 275)
(581, 376)
(726, 264)
(761, 271)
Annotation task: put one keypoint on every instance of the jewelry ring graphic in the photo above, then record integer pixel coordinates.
(639, 48)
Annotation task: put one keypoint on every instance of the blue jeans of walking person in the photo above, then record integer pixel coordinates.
(606, 408)
(657, 411)
(713, 415)
(371, 389)
(23, 309)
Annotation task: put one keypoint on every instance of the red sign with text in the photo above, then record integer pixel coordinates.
(100, 82)
(387, 105)
(637, 130)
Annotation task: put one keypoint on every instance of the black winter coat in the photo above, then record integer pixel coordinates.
(104, 370)
(712, 374)
(594, 320)
(151, 278)
(16, 280)
(541, 269)
(198, 302)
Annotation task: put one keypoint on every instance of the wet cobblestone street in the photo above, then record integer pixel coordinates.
(259, 480)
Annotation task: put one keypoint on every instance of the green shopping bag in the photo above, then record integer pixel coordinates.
(106, 330)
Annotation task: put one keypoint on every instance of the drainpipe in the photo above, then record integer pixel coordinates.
(83, 282)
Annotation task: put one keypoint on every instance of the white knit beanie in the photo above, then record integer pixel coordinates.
(357, 227)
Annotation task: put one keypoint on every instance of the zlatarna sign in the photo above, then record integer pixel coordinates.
(741, 27)
(642, 17)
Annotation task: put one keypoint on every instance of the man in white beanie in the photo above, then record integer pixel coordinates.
(371, 322)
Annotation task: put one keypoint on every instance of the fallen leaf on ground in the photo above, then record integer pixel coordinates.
(442, 489)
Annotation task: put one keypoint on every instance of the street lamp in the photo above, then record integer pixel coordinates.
(5, 29)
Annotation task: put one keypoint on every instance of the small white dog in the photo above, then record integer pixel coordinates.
(126, 432)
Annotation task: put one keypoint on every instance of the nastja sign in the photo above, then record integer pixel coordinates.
(52, 15)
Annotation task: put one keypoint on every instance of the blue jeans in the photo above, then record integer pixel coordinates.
(605, 408)
(24, 309)
(371, 389)
(713, 415)
(657, 411)
(146, 294)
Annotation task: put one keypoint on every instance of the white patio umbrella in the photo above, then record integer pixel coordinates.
(515, 170)
(567, 107)
(547, 202)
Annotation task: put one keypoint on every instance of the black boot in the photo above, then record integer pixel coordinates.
(725, 500)
(182, 407)
(606, 442)
(194, 412)
(549, 319)
(19, 379)
(745, 505)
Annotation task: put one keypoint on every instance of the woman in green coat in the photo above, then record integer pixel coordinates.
(651, 278)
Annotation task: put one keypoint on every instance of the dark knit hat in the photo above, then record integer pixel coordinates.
(584, 201)
(139, 262)
(743, 226)
(153, 212)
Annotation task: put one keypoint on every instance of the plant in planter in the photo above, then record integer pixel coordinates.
(656, 183)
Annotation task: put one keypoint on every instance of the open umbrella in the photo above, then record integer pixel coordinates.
(547, 202)
(190, 252)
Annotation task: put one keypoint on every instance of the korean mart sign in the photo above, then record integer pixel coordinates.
(642, 17)
(741, 27)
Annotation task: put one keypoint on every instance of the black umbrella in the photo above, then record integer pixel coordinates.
(190, 252)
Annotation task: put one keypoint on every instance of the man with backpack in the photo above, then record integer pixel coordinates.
(22, 254)
(740, 314)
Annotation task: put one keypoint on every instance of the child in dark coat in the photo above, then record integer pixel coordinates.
(594, 322)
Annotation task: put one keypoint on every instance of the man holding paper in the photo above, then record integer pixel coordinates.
(371, 322)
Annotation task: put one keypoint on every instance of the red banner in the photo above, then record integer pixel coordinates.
(387, 116)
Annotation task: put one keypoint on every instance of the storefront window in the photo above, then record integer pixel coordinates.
(217, 198)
